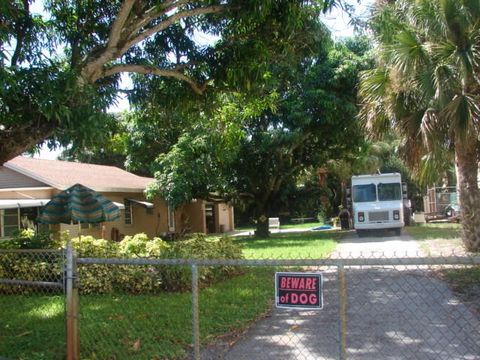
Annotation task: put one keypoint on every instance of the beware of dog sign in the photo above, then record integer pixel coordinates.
(299, 290)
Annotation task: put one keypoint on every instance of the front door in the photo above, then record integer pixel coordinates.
(210, 218)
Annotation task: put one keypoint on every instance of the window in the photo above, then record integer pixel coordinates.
(364, 193)
(128, 212)
(10, 222)
(389, 191)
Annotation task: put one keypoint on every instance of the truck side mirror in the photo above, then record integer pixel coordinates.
(348, 192)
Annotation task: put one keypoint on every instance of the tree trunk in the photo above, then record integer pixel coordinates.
(15, 139)
(262, 230)
(466, 165)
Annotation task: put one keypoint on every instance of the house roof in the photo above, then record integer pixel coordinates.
(10, 179)
(63, 174)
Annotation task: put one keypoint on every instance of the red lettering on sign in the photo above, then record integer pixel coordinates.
(283, 283)
(303, 298)
(309, 284)
(312, 299)
(294, 299)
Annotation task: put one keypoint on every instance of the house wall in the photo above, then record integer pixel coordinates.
(26, 194)
(224, 217)
(193, 217)
(188, 218)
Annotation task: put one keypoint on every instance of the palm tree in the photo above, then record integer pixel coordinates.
(426, 87)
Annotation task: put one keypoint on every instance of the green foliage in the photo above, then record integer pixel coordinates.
(60, 69)
(140, 245)
(253, 149)
(29, 239)
(178, 278)
(424, 83)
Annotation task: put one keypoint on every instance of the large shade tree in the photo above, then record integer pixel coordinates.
(60, 68)
(426, 87)
(253, 148)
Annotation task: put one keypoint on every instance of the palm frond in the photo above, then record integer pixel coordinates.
(374, 84)
(407, 52)
(461, 113)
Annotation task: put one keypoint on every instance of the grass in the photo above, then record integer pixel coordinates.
(435, 231)
(153, 327)
(304, 245)
(32, 327)
(438, 239)
(307, 225)
(466, 283)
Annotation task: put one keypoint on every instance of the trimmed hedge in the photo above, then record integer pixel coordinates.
(133, 279)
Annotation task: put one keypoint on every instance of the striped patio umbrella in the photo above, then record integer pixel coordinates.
(78, 204)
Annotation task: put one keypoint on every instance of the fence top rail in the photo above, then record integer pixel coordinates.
(27, 251)
(451, 260)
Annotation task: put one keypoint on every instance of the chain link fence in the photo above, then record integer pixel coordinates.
(373, 308)
(32, 304)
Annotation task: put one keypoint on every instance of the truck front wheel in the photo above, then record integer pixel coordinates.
(362, 233)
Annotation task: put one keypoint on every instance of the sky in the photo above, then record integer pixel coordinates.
(336, 20)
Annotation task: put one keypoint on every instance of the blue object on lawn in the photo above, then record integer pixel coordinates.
(323, 227)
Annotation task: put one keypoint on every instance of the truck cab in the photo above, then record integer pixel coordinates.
(377, 202)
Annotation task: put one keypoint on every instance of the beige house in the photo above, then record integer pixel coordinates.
(27, 184)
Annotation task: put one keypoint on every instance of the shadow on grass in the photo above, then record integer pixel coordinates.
(32, 327)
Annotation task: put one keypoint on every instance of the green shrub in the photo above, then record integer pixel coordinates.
(28, 239)
(140, 245)
(88, 246)
(30, 266)
(179, 278)
(134, 279)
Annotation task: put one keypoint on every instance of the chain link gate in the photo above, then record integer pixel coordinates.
(374, 308)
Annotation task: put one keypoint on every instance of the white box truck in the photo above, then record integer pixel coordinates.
(377, 202)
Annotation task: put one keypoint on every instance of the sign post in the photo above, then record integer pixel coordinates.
(299, 290)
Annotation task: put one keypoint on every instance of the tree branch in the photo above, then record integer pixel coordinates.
(21, 29)
(151, 70)
(170, 21)
(119, 23)
(154, 13)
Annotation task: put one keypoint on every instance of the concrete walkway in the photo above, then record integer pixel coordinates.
(380, 244)
(392, 313)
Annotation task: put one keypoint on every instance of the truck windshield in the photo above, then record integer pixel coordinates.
(364, 193)
(389, 191)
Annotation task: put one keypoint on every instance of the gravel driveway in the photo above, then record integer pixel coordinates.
(392, 313)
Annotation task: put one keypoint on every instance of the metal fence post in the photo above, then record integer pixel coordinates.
(73, 343)
(195, 316)
(342, 312)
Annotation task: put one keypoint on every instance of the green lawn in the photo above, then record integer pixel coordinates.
(153, 327)
(435, 231)
(306, 226)
(305, 245)
(437, 238)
